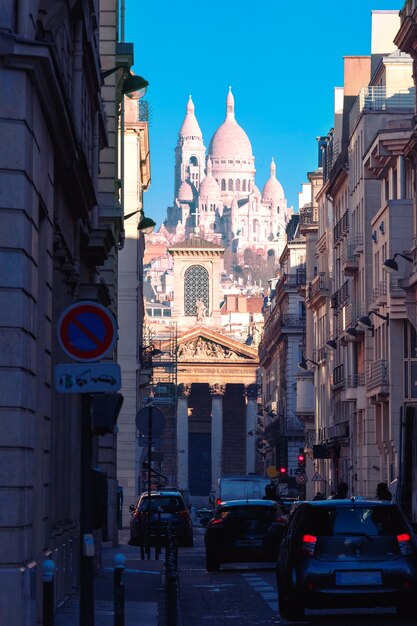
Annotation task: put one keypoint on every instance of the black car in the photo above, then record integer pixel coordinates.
(167, 508)
(347, 553)
(243, 531)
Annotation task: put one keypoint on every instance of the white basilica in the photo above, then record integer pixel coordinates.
(218, 194)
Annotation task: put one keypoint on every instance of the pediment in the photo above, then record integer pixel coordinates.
(204, 344)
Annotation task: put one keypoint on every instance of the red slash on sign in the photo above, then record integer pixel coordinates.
(86, 331)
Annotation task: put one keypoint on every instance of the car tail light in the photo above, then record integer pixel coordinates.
(309, 544)
(218, 500)
(216, 522)
(404, 543)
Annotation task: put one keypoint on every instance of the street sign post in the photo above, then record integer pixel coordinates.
(86, 331)
(92, 378)
(301, 479)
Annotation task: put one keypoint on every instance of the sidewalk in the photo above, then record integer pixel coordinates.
(144, 590)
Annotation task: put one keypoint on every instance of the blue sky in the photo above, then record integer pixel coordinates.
(281, 58)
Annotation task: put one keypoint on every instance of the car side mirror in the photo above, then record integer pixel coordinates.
(132, 508)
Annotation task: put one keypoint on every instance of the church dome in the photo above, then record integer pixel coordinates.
(185, 192)
(272, 191)
(190, 128)
(209, 186)
(230, 140)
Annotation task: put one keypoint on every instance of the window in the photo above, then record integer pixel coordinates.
(223, 185)
(196, 287)
(167, 312)
(230, 185)
(238, 184)
(244, 185)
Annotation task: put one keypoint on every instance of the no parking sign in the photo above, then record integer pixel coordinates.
(86, 331)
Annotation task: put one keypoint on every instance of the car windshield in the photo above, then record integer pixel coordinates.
(169, 504)
(365, 520)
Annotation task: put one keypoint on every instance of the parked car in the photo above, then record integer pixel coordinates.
(346, 553)
(243, 531)
(169, 505)
(251, 486)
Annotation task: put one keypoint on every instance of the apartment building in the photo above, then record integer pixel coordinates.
(364, 218)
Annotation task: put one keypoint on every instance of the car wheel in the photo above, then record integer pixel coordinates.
(289, 608)
(212, 564)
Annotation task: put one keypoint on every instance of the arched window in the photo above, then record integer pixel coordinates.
(223, 186)
(230, 185)
(193, 161)
(255, 230)
(196, 287)
(265, 229)
(249, 185)
(238, 184)
(244, 186)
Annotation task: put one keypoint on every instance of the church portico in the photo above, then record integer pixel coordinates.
(214, 418)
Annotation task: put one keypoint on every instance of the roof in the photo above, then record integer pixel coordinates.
(194, 242)
(272, 191)
(190, 127)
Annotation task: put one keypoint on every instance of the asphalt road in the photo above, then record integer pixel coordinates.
(246, 595)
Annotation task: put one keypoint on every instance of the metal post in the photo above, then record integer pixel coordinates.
(86, 518)
(119, 590)
(148, 546)
(48, 567)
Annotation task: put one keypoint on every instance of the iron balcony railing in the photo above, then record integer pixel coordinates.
(337, 431)
(319, 284)
(308, 215)
(355, 380)
(378, 375)
(341, 228)
(378, 292)
(379, 98)
(339, 376)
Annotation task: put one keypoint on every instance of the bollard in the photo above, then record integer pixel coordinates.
(158, 535)
(119, 590)
(48, 569)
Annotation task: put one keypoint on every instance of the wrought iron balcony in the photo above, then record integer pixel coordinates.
(339, 381)
(378, 376)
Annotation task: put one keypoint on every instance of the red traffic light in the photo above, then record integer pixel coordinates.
(282, 470)
(301, 458)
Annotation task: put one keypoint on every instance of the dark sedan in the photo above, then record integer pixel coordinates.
(167, 509)
(347, 553)
(243, 531)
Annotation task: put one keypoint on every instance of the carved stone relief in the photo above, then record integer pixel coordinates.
(202, 349)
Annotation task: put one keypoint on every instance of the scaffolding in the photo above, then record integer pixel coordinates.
(159, 359)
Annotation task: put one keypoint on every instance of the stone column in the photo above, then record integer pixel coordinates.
(182, 436)
(217, 392)
(251, 427)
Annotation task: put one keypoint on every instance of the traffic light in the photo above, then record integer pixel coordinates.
(283, 472)
(301, 460)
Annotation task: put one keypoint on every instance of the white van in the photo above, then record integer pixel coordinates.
(241, 487)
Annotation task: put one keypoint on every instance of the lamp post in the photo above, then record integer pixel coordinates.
(148, 538)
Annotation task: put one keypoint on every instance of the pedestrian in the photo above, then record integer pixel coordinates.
(382, 492)
(319, 496)
(341, 492)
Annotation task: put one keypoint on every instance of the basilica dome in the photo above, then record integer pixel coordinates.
(272, 191)
(230, 140)
(209, 186)
(185, 192)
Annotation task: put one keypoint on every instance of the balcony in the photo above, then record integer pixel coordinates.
(318, 290)
(351, 249)
(341, 228)
(378, 295)
(378, 98)
(377, 384)
(337, 431)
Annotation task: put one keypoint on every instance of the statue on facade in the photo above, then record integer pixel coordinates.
(200, 309)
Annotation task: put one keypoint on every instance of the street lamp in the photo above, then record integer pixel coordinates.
(146, 225)
(303, 363)
(332, 344)
(366, 323)
(391, 265)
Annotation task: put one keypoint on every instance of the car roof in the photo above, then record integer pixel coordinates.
(162, 492)
(251, 502)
